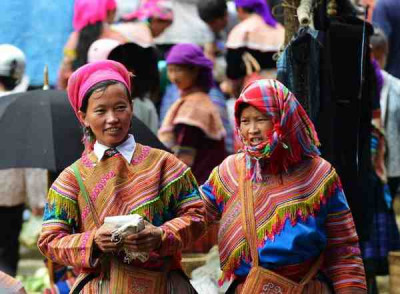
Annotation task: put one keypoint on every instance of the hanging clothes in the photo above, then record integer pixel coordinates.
(352, 119)
(298, 69)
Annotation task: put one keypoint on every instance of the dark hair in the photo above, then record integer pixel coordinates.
(9, 83)
(144, 64)
(242, 107)
(87, 36)
(248, 9)
(210, 10)
(102, 86)
(150, 19)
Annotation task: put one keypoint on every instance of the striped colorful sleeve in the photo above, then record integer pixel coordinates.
(58, 239)
(187, 222)
(343, 263)
(210, 191)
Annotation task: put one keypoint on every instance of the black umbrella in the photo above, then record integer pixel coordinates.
(39, 129)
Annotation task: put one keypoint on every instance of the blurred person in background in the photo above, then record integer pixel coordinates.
(12, 70)
(171, 94)
(147, 22)
(18, 186)
(91, 21)
(258, 34)
(192, 127)
(384, 234)
(386, 16)
(215, 14)
(187, 27)
(390, 109)
(142, 63)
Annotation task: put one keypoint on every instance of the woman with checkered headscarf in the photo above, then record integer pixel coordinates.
(301, 216)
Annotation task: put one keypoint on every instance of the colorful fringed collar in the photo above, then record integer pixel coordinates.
(294, 196)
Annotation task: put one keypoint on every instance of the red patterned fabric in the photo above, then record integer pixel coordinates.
(293, 136)
(306, 206)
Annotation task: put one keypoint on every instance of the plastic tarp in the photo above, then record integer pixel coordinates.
(40, 29)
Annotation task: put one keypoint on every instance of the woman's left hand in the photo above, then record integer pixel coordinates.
(146, 240)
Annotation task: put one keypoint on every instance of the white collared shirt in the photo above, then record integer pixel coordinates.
(126, 148)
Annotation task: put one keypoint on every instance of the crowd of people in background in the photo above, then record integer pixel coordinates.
(202, 76)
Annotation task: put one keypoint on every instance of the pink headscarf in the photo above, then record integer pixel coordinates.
(152, 9)
(91, 11)
(91, 74)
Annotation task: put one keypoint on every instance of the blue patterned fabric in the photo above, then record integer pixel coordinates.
(28, 23)
(294, 244)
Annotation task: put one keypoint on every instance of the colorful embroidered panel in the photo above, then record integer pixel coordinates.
(297, 217)
(155, 185)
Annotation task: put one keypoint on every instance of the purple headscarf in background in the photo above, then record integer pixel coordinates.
(260, 7)
(191, 54)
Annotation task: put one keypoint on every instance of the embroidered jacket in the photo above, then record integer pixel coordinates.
(155, 185)
(299, 215)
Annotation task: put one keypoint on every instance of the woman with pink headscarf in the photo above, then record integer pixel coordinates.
(116, 176)
(90, 22)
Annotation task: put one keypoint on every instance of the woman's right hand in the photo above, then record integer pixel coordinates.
(102, 239)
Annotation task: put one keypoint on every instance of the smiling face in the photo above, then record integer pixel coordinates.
(183, 76)
(254, 126)
(108, 115)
